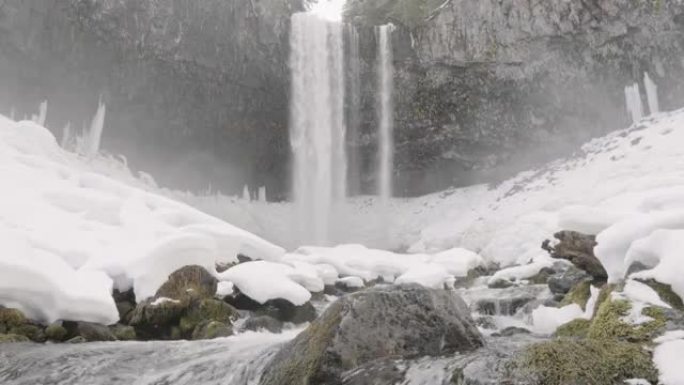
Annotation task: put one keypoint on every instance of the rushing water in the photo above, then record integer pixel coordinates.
(237, 360)
(353, 110)
(317, 127)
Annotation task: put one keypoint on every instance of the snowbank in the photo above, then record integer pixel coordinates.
(70, 234)
(668, 358)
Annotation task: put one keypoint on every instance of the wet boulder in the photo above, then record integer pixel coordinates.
(208, 330)
(279, 308)
(204, 311)
(90, 332)
(577, 248)
(385, 321)
(562, 282)
(189, 280)
(263, 322)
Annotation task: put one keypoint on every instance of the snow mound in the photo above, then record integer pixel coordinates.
(668, 358)
(71, 235)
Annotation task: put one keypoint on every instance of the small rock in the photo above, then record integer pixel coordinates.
(33, 332)
(279, 309)
(578, 248)
(77, 340)
(12, 338)
(563, 282)
(208, 330)
(193, 279)
(263, 322)
(500, 283)
(124, 332)
(207, 309)
(93, 332)
(152, 319)
(56, 332)
(511, 331)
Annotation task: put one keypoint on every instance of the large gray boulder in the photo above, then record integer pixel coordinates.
(386, 321)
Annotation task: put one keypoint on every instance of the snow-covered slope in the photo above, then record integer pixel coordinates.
(70, 235)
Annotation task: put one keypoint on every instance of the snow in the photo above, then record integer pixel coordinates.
(224, 289)
(428, 275)
(351, 282)
(519, 273)
(545, 320)
(668, 358)
(637, 291)
(72, 234)
(263, 281)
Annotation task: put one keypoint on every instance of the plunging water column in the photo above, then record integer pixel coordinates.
(317, 130)
(385, 113)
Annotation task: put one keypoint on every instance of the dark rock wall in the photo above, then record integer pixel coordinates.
(489, 87)
(196, 90)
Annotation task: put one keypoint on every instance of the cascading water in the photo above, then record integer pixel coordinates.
(353, 110)
(317, 130)
(385, 112)
(634, 104)
(651, 94)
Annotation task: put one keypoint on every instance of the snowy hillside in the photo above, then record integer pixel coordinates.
(70, 235)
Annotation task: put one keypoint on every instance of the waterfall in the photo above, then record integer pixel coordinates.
(353, 111)
(651, 94)
(96, 128)
(634, 105)
(385, 112)
(317, 131)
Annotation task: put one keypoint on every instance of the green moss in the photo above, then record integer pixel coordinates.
(55, 332)
(608, 323)
(32, 332)
(589, 362)
(12, 338)
(124, 333)
(579, 294)
(12, 317)
(666, 293)
(207, 310)
(578, 328)
(604, 294)
(303, 366)
(208, 330)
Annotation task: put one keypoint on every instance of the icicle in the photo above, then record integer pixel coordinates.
(634, 105)
(96, 128)
(651, 94)
(245, 193)
(262, 194)
(42, 115)
(66, 136)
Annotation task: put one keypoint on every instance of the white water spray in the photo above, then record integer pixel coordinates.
(651, 94)
(354, 110)
(42, 114)
(385, 112)
(317, 131)
(634, 105)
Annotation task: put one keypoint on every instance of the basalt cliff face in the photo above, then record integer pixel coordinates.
(197, 91)
(488, 87)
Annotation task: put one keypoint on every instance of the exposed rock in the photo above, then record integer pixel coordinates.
(207, 330)
(579, 295)
(500, 284)
(123, 332)
(397, 321)
(90, 332)
(542, 277)
(188, 279)
(511, 331)
(578, 248)
(77, 340)
(56, 332)
(12, 338)
(263, 322)
(665, 293)
(153, 320)
(562, 282)
(279, 308)
(206, 310)
(33, 332)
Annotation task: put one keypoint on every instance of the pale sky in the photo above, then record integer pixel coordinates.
(329, 9)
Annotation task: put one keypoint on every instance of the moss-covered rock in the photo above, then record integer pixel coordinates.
(208, 330)
(189, 280)
(123, 332)
(587, 362)
(33, 332)
(56, 332)
(666, 293)
(579, 295)
(152, 316)
(207, 309)
(12, 317)
(608, 322)
(92, 332)
(12, 338)
(578, 328)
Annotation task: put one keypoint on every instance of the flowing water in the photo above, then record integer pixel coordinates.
(317, 128)
(237, 360)
(385, 112)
